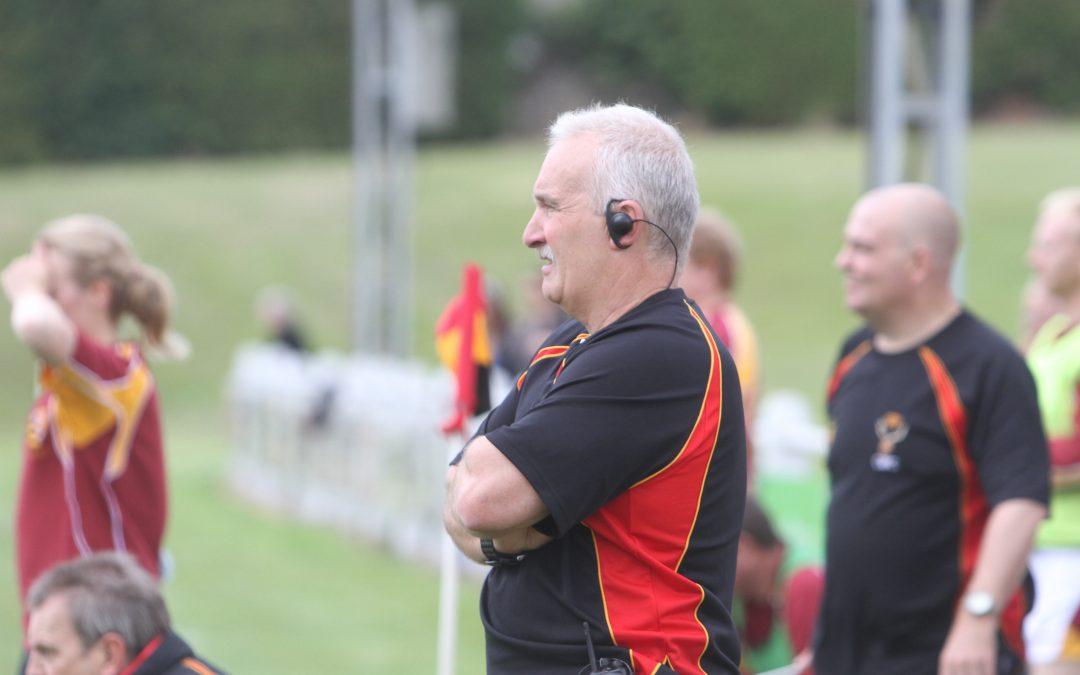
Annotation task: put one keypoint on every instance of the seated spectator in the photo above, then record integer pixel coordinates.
(276, 311)
(103, 615)
(778, 616)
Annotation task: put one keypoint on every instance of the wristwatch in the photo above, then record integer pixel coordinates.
(497, 559)
(980, 604)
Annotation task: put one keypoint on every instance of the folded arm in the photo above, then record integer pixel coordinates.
(488, 498)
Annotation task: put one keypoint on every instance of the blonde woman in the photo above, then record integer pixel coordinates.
(93, 474)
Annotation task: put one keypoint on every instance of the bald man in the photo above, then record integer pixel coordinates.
(938, 462)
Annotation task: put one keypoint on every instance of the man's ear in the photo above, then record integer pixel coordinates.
(115, 653)
(633, 209)
(922, 263)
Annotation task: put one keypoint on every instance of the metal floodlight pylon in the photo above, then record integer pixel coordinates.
(384, 135)
(919, 72)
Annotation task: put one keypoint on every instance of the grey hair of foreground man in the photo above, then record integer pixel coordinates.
(106, 593)
(643, 158)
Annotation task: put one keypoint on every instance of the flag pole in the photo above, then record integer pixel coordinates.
(461, 341)
(448, 588)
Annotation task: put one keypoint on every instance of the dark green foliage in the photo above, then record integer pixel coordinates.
(1029, 51)
(486, 77)
(105, 78)
(736, 62)
(85, 79)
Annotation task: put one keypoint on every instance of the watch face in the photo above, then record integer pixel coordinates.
(978, 603)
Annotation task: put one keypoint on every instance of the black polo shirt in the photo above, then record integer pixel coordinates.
(926, 442)
(633, 438)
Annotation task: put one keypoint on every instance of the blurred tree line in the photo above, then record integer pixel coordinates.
(82, 79)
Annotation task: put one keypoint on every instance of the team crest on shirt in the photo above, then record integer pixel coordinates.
(891, 428)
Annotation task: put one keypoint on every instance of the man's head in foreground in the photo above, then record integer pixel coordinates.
(92, 616)
(626, 160)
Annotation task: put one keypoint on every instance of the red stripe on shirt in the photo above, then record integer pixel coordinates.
(974, 510)
(545, 353)
(845, 365)
(649, 606)
(146, 653)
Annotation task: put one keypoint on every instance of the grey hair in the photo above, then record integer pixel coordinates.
(106, 593)
(643, 158)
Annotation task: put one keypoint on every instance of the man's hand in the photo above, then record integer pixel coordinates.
(527, 539)
(971, 648)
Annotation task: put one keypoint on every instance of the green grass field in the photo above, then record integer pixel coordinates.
(263, 596)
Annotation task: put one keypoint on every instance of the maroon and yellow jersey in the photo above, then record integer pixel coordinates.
(633, 438)
(93, 473)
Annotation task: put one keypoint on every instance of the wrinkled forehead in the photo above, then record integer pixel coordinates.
(568, 165)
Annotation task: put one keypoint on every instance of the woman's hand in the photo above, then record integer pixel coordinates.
(26, 274)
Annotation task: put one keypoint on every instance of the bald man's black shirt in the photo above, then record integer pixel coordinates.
(926, 442)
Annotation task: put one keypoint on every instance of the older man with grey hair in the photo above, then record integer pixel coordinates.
(104, 615)
(607, 489)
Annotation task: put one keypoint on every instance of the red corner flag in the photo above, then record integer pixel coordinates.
(461, 341)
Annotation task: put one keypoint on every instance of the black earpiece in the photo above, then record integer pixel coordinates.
(619, 224)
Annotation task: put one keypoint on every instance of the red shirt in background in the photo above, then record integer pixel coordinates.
(93, 474)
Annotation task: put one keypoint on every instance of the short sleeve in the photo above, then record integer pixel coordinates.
(1007, 439)
(499, 416)
(617, 413)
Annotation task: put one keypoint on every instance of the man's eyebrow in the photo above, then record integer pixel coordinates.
(544, 198)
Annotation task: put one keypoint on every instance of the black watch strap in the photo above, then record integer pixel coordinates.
(497, 559)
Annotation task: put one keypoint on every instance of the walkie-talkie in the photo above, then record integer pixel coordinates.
(604, 665)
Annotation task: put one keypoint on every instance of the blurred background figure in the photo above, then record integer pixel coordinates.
(1053, 640)
(779, 604)
(276, 311)
(1037, 305)
(932, 410)
(710, 277)
(508, 351)
(103, 615)
(93, 474)
(539, 315)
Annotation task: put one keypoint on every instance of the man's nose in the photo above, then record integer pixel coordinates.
(533, 235)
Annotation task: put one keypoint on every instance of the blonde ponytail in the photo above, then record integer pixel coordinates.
(99, 249)
(147, 294)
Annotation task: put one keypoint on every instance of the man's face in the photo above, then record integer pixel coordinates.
(565, 228)
(757, 570)
(875, 261)
(1055, 252)
(55, 647)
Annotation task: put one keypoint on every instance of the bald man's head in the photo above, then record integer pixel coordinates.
(918, 215)
(899, 243)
